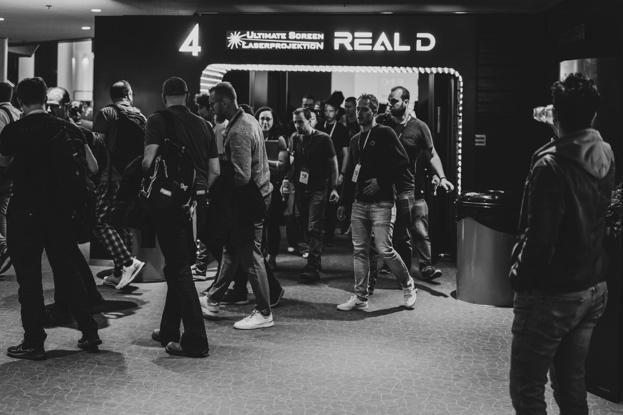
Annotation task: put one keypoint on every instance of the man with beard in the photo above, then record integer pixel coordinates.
(412, 215)
(377, 163)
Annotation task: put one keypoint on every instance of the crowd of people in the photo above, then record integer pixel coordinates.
(242, 174)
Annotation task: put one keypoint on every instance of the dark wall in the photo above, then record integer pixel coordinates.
(46, 62)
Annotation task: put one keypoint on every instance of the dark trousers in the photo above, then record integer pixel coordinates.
(175, 235)
(62, 299)
(553, 333)
(243, 250)
(412, 223)
(330, 222)
(29, 233)
(273, 221)
(311, 206)
(5, 196)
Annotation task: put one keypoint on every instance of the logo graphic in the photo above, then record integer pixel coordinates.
(368, 41)
(283, 40)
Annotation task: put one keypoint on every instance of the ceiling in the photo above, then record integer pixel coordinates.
(28, 21)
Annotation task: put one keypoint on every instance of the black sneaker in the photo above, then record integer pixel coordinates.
(175, 349)
(429, 273)
(26, 351)
(310, 274)
(89, 342)
(235, 297)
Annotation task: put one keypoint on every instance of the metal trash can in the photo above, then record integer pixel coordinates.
(486, 224)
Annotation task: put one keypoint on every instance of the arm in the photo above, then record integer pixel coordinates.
(149, 155)
(241, 157)
(91, 161)
(214, 170)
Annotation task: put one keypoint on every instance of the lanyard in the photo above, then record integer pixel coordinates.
(333, 129)
(404, 124)
(365, 142)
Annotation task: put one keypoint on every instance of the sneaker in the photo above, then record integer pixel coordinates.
(208, 308)
(255, 320)
(305, 255)
(175, 349)
(235, 297)
(111, 281)
(429, 273)
(199, 273)
(353, 303)
(130, 272)
(275, 302)
(291, 250)
(25, 351)
(409, 297)
(90, 342)
(5, 261)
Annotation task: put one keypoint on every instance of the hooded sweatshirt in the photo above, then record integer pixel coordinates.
(562, 222)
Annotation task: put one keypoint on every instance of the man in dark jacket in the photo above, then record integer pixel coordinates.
(557, 267)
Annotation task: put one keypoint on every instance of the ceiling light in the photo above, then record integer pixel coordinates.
(86, 27)
(387, 12)
(459, 12)
(96, 10)
(1, 19)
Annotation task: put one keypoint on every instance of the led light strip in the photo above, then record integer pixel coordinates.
(214, 73)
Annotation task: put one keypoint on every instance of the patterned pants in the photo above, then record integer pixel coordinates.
(116, 241)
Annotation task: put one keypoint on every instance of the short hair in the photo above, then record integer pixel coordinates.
(308, 96)
(6, 91)
(202, 100)
(305, 111)
(405, 96)
(119, 90)
(31, 91)
(352, 100)
(374, 102)
(224, 89)
(174, 86)
(575, 101)
(58, 95)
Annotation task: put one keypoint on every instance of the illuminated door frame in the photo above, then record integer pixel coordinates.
(214, 73)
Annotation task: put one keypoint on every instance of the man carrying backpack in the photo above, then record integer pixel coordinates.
(182, 160)
(40, 215)
(121, 127)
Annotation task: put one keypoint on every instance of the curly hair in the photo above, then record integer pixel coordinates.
(374, 102)
(575, 101)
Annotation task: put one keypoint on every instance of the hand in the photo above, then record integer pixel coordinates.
(340, 179)
(285, 188)
(341, 213)
(371, 187)
(334, 197)
(435, 182)
(445, 185)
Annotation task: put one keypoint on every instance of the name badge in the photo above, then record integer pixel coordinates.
(356, 172)
(304, 177)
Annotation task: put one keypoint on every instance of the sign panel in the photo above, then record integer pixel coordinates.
(275, 40)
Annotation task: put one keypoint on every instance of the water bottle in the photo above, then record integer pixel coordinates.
(544, 114)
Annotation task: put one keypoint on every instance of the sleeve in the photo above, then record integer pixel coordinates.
(348, 187)
(329, 148)
(8, 143)
(101, 121)
(282, 144)
(241, 157)
(398, 160)
(546, 206)
(342, 138)
(211, 141)
(425, 139)
(155, 130)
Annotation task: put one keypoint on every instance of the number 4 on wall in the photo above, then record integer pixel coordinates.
(191, 44)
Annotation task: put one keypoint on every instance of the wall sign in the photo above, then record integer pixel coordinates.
(364, 41)
(280, 40)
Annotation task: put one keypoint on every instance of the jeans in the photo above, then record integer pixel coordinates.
(377, 218)
(175, 235)
(412, 222)
(4, 203)
(29, 233)
(245, 254)
(553, 332)
(273, 221)
(330, 219)
(311, 205)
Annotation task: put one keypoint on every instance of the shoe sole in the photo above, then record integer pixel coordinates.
(184, 354)
(123, 284)
(258, 326)
(354, 308)
(239, 302)
(36, 357)
(210, 315)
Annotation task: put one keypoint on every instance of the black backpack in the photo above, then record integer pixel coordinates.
(129, 141)
(172, 175)
(75, 190)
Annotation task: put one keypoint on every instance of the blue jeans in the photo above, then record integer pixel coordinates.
(412, 222)
(377, 218)
(553, 333)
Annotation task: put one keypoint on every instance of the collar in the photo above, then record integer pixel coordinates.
(233, 119)
(33, 112)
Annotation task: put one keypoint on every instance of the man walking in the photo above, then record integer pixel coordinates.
(558, 263)
(377, 163)
(39, 219)
(109, 125)
(246, 176)
(314, 173)
(174, 226)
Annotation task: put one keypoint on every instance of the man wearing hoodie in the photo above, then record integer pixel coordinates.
(557, 264)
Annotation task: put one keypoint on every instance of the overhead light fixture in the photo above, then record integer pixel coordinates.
(1, 19)
(96, 10)
(459, 12)
(387, 12)
(86, 27)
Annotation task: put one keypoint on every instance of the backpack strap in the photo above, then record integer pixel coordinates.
(8, 113)
(169, 124)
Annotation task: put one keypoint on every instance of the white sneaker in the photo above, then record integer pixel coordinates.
(111, 280)
(208, 308)
(353, 303)
(409, 297)
(130, 272)
(255, 320)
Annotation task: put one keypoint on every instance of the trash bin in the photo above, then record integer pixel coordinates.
(486, 224)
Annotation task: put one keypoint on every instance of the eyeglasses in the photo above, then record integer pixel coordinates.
(266, 119)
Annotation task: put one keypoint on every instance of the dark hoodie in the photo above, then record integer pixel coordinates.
(562, 223)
